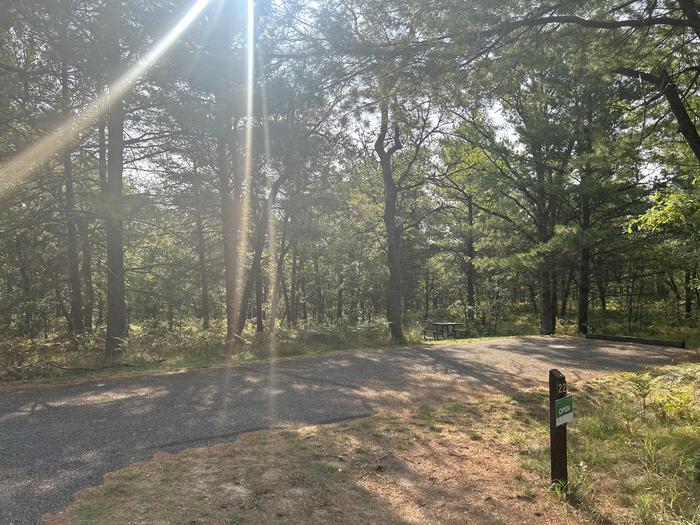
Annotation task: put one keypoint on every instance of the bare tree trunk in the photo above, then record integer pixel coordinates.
(533, 299)
(259, 326)
(201, 249)
(258, 247)
(688, 295)
(339, 305)
(292, 319)
(393, 232)
(584, 279)
(547, 325)
(76, 307)
(279, 274)
(319, 306)
(302, 289)
(228, 218)
(555, 292)
(114, 228)
(89, 303)
(565, 294)
(426, 306)
(471, 274)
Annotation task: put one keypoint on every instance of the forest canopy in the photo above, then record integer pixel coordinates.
(350, 166)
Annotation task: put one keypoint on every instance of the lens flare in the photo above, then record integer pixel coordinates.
(27, 163)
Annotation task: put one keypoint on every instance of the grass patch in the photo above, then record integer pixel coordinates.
(416, 467)
(634, 458)
(154, 348)
(634, 446)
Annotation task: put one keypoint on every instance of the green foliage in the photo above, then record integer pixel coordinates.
(646, 460)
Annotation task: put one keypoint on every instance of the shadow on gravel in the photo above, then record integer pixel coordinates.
(55, 441)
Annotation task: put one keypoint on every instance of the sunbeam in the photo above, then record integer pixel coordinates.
(271, 240)
(246, 182)
(27, 163)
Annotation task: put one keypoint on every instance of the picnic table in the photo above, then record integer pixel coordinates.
(444, 330)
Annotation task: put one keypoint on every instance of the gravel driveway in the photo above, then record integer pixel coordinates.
(56, 440)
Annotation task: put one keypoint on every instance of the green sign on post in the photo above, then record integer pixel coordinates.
(564, 410)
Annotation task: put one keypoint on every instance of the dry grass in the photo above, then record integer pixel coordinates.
(445, 463)
(437, 452)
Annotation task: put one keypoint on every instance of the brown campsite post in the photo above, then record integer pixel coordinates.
(557, 435)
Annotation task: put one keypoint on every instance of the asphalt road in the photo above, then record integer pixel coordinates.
(56, 440)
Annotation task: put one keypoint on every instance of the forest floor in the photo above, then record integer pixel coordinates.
(458, 457)
(58, 439)
(61, 361)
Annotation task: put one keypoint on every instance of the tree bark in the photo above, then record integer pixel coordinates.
(89, 303)
(259, 325)
(228, 218)
(469, 252)
(279, 274)
(393, 232)
(258, 247)
(688, 294)
(76, 306)
(114, 227)
(547, 323)
(690, 10)
(668, 87)
(292, 318)
(601, 284)
(565, 295)
(201, 249)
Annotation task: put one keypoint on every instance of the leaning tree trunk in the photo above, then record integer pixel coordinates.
(254, 276)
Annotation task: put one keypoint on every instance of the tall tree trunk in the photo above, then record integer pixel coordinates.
(293, 302)
(555, 292)
(426, 306)
(688, 295)
(601, 284)
(533, 299)
(228, 217)
(584, 280)
(471, 273)
(302, 289)
(259, 326)
(547, 325)
(339, 304)
(319, 306)
(279, 273)
(393, 232)
(114, 228)
(76, 306)
(89, 303)
(28, 302)
(201, 249)
(565, 294)
(258, 247)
